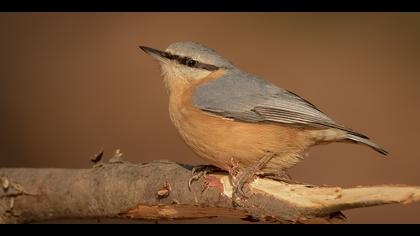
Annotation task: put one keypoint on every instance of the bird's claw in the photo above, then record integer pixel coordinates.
(201, 171)
(244, 177)
(239, 184)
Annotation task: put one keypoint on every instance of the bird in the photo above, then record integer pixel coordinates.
(237, 121)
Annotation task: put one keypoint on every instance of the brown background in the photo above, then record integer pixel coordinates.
(72, 83)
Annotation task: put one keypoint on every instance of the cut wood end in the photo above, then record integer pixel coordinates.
(335, 198)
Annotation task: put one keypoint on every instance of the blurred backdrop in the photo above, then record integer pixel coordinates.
(74, 83)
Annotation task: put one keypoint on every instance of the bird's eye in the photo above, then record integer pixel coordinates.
(191, 62)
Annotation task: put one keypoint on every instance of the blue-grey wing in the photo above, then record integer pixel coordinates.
(247, 98)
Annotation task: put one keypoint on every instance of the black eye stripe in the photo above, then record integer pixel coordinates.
(190, 62)
(181, 60)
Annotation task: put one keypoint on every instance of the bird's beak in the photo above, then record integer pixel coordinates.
(157, 54)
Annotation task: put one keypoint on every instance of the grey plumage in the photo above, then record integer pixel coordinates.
(248, 98)
(245, 97)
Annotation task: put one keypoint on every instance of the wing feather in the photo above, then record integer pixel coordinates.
(247, 98)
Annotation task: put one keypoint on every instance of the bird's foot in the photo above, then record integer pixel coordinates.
(201, 171)
(239, 183)
(244, 177)
(238, 179)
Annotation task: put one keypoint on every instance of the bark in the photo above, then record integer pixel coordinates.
(159, 191)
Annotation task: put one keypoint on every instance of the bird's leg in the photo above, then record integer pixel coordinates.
(246, 175)
(234, 169)
(200, 171)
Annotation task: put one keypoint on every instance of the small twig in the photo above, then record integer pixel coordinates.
(97, 157)
(117, 158)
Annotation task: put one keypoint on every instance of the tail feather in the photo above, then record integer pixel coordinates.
(365, 140)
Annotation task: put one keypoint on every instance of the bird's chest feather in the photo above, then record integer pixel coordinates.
(201, 131)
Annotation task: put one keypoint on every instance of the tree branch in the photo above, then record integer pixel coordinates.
(159, 190)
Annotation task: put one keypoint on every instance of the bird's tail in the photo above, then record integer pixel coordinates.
(359, 138)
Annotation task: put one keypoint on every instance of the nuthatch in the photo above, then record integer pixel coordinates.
(233, 119)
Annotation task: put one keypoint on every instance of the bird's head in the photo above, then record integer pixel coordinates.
(188, 61)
